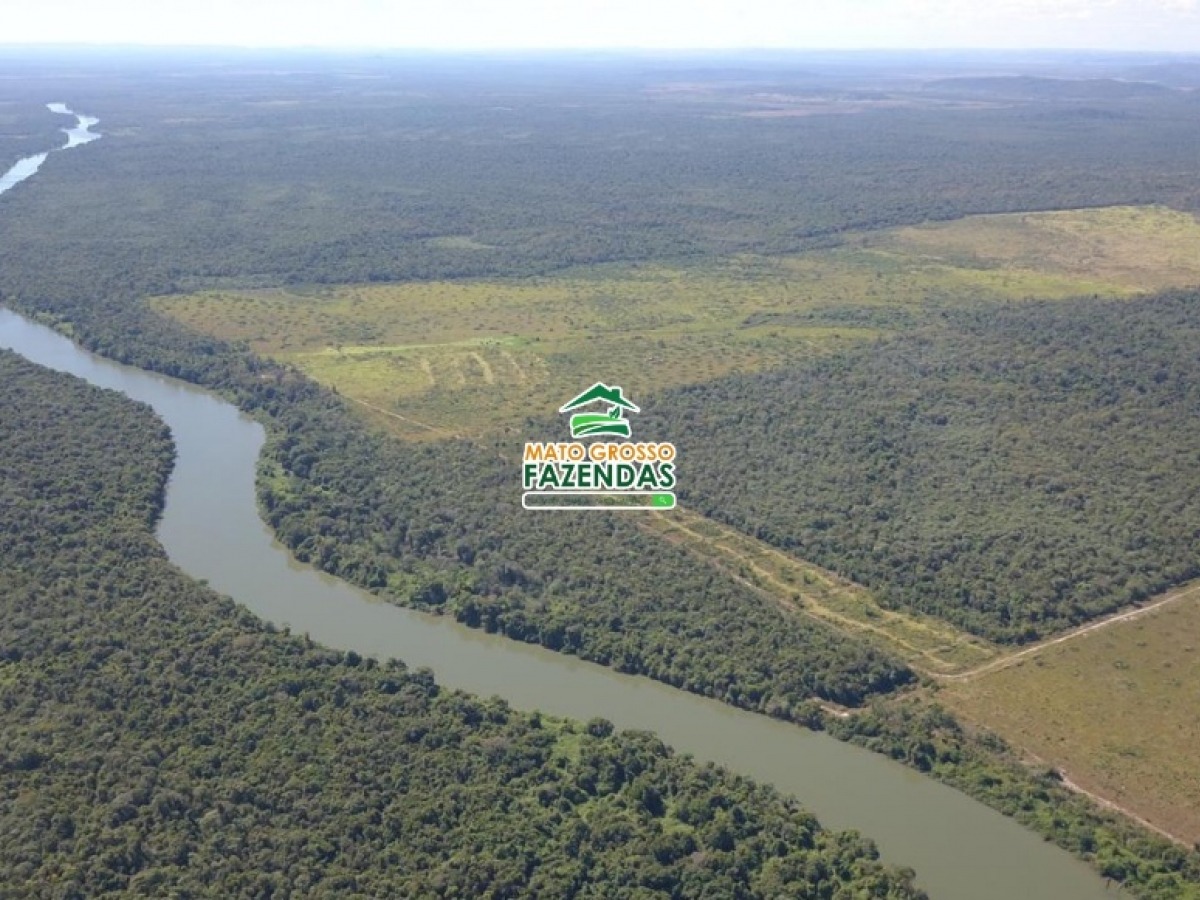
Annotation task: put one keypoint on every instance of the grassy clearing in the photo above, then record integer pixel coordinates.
(1117, 710)
(466, 357)
(926, 644)
(1130, 247)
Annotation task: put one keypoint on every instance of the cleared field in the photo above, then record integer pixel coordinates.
(1117, 710)
(467, 357)
(926, 644)
(1137, 248)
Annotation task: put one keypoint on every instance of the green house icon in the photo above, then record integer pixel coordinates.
(612, 421)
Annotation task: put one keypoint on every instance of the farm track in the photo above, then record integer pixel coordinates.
(683, 529)
(1033, 760)
(718, 551)
(1168, 599)
(485, 369)
(405, 419)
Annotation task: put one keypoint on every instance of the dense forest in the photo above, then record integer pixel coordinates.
(157, 741)
(441, 527)
(1016, 470)
(203, 178)
(315, 170)
(26, 128)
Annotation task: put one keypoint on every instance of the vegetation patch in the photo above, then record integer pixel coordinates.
(469, 357)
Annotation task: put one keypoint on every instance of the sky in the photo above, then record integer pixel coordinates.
(493, 24)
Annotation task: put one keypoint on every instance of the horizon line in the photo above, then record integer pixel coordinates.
(568, 49)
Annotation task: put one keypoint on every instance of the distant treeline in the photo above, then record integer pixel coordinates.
(216, 174)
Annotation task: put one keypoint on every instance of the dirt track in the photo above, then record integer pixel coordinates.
(1006, 661)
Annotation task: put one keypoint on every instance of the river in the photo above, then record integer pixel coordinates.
(960, 849)
(78, 135)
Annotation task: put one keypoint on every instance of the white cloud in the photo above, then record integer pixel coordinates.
(1016, 10)
(1179, 6)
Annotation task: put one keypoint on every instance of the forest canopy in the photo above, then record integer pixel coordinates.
(1014, 469)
